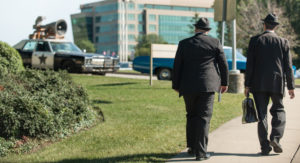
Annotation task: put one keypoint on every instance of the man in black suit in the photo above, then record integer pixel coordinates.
(200, 70)
(269, 66)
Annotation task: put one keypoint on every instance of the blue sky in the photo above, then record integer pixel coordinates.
(18, 16)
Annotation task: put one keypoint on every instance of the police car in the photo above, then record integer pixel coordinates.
(47, 49)
(59, 54)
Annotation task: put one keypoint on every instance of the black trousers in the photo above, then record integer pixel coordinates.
(278, 117)
(199, 108)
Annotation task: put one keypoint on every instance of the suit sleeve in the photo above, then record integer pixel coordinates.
(287, 59)
(177, 67)
(223, 65)
(249, 64)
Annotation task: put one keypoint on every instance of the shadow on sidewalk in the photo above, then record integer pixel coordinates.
(241, 154)
(148, 157)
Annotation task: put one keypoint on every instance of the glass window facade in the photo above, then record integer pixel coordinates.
(131, 17)
(83, 28)
(107, 8)
(108, 38)
(152, 17)
(141, 28)
(131, 6)
(108, 28)
(87, 10)
(131, 37)
(131, 27)
(97, 29)
(98, 19)
(178, 8)
(109, 18)
(152, 28)
(141, 17)
(175, 28)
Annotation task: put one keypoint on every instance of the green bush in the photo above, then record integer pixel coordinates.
(42, 104)
(10, 59)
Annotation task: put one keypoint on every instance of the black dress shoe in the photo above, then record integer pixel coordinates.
(276, 147)
(266, 152)
(202, 157)
(190, 151)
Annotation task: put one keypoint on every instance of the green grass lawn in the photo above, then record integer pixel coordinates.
(297, 81)
(142, 124)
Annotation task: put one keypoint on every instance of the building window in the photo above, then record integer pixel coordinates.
(131, 17)
(141, 6)
(131, 48)
(141, 28)
(97, 29)
(97, 39)
(131, 27)
(109, 18)
(181, 8)
(107, 8)
(152, 18)
(98, 19)
(131, 37)
(152, 28)
(87, 10)
(141, 17)
(131, 6)
(163, 7)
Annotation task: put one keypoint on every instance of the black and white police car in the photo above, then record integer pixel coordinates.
(47, 49)
(59, 54)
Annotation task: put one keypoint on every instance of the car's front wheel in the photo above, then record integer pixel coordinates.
(164, 74)
(69, 66)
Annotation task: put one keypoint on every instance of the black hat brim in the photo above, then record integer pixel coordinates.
(200, 27)
(272, 23)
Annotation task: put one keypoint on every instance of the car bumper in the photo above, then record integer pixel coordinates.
(99, 69)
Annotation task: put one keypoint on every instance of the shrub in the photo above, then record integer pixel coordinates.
(42, 103)
(10, 59)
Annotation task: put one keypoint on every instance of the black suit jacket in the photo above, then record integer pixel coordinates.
(269, 64)
(198, 65)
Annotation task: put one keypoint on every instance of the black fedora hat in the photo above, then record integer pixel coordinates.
(271, 19)
(202, 23)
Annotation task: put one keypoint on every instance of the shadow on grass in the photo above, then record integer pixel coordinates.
(101, 102)
(151, 157)
(115, 84)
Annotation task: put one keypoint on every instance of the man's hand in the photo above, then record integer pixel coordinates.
(223, 89)
(246, 91)
(292, 94)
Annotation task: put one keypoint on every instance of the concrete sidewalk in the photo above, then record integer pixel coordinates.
(235, 142)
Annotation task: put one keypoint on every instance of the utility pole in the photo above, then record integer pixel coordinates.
(224, 21)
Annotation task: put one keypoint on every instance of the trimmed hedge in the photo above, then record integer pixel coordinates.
(41, 103)
(10, 59)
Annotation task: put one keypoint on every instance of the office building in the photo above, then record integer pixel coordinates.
(114, 25)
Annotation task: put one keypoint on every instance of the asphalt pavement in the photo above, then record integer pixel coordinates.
(235, 142)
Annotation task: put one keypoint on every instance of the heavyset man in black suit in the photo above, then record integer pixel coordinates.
(269, 66)
(200, 70)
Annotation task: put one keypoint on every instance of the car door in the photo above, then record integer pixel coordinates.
(43, 57)
(26, 52)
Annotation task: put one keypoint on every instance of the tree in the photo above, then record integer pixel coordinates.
(87, 45)
(10, 59)
(194, 20)
(249, 13)
(143, 48)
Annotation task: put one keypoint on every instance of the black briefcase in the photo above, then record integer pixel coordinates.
(249, 111)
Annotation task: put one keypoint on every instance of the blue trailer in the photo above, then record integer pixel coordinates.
(162, 67)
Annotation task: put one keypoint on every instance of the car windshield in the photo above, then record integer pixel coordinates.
(239, 56)
(64, 47)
